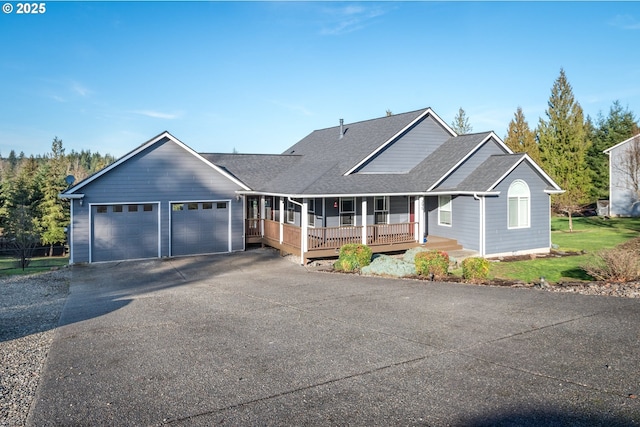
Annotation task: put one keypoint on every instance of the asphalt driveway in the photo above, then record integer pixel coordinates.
(253, 339)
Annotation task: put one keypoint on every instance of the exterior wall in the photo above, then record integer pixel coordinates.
(398, 207)
(409, 150)
(163, 173)
(490, 148)
(465, 221)
(623, 201)
(502, 240)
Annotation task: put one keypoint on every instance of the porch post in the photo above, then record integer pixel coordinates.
(422, 226)
(364, 220)
(282, 214)
(304, 223)
(262, 210)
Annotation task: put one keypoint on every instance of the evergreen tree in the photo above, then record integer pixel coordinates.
(17, 213)
(53, 212)
(618, 126)
(461, 124)
(520, 138)
(563, 142)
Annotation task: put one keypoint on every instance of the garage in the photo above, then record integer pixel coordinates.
(200, 227)
(124, 231)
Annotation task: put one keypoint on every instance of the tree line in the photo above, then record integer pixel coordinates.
(568, 146)
(31, 213)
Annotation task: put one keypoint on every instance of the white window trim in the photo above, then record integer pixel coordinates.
(519, 198)
(311, 212)
(291, 207)
(352, 213)
(385, 209)
(441, 209)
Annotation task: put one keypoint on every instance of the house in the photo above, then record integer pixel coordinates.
(624, 178)
(393, 183)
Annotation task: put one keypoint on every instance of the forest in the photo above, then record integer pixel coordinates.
(32, 216)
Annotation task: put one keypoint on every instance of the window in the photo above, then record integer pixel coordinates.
(444, 210)
(192, 206)
(207, 205)
(518, 205)
(347, 211)
(117, 208)
(101, 209)
(311, 212)
(132, 208)
(148, 208)
(291, 212)
(381, 210)
(221, 205)
(177, 206)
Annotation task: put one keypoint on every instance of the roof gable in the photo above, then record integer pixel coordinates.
(610, 149)
(163, 137)
(496, 168)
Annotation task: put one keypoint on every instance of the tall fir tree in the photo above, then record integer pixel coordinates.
(520, 138)
(53, 213)
(618, 126)
(563, 142)
(461, 124)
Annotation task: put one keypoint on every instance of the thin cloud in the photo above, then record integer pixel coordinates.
(80, 89)
(293, 107)
(158, 114)
(625, 22)
(351, 18)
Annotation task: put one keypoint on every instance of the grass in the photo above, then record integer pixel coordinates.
(37, 265)
(589, 235)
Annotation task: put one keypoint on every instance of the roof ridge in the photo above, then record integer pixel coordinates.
(376, 118)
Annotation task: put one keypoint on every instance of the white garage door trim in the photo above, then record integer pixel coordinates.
(91, 231)
(229, 227)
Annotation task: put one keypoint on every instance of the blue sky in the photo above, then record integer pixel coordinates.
(259, 76)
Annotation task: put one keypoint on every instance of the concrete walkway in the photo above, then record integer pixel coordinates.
(252, 339)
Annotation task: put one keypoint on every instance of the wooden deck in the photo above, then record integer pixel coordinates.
(325, 242)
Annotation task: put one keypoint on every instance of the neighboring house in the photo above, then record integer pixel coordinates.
(393, 183)
(624, 178)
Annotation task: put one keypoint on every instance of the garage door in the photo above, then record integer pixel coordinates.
(121, 232)
(199, 228)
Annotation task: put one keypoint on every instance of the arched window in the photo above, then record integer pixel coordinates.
(519, 206)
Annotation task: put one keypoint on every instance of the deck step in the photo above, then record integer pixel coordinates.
(442, 244)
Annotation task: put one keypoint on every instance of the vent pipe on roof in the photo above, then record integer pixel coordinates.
(341, 128)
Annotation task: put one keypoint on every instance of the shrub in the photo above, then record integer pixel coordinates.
(432, 262)
(616, 265)
(353, 256)
(475, 268)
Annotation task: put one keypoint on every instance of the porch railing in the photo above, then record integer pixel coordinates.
(320, 238)
(253, 228)
(333, 237)
(378, 234)
(388, 234)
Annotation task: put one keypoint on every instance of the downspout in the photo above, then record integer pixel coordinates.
(303, 231)
(482, 225)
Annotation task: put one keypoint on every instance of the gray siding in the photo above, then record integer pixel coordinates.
(489, 148)
(409, 150)
(465, 221)
(163, 172)
(623, 200)
(499, 238)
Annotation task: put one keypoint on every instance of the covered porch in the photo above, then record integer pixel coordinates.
(305, 228)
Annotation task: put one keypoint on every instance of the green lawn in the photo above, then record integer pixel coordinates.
(589, 235)
(37, 265)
